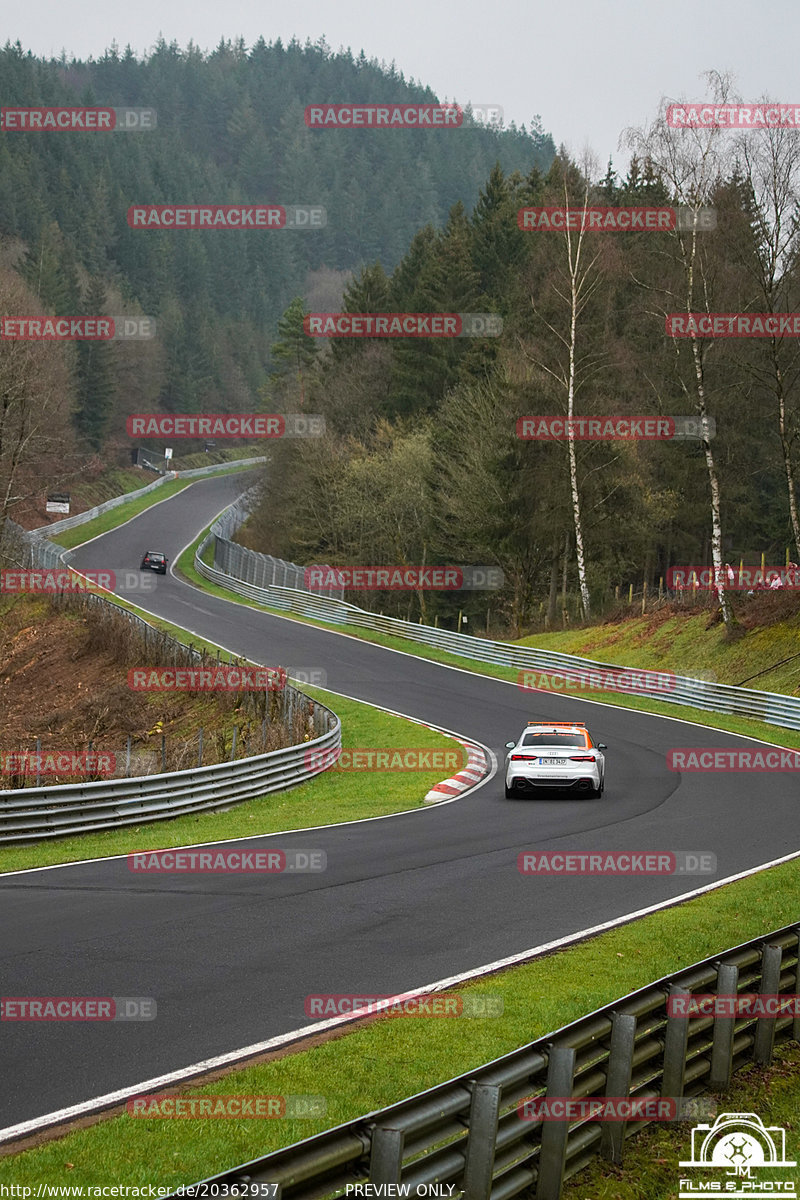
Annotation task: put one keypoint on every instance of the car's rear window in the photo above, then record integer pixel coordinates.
(554, 739)
(160, 557)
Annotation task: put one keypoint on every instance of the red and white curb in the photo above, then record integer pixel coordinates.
(477, 768)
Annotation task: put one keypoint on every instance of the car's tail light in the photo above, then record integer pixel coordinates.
(583, 758)
(524, 757)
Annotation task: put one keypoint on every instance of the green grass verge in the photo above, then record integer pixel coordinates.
(332, 797)
(650, 1169)
(684, 643)
(386, 1060)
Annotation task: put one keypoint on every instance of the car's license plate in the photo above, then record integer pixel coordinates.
(553, 762)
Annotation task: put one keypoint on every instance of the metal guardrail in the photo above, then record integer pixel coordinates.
(215, 468)
(238, 570)
(42, 812)
(468, 1132)
(258, 570)
(108, 505)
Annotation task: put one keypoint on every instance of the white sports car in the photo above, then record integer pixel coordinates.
(558, 754)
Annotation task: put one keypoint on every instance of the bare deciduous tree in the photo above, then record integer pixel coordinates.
(579, 278)
(34, 405)
(693, 163)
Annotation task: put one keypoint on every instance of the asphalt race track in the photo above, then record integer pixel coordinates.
(405, 900)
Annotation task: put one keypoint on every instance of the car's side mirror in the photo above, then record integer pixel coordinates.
(602, 746)
(510, 745)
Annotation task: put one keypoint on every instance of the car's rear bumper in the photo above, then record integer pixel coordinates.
(580, 783)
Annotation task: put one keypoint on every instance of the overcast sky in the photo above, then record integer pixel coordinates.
(588, 69)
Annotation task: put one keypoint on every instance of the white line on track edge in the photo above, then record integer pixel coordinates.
(172, 1078)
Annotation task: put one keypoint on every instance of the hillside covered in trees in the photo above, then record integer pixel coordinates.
(230, 129)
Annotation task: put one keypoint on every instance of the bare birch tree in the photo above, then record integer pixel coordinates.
(693, 163)
(580, 278)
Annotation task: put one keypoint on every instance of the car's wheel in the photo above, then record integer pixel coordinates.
(511, 793)
(596, 793)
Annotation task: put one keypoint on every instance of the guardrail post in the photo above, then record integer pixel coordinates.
(618, 1082)
(771, 958)
(553, 1152)
(386, 1156)
(675, 1042)
(484, 1111)
(722, 1049)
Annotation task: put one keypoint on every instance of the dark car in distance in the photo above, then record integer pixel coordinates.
(154, 560)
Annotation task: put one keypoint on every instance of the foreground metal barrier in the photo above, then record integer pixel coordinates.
(42, 812)
(239, 570)
(468, 1132)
